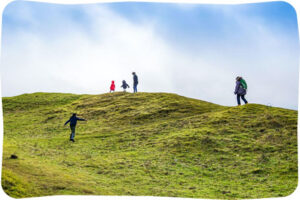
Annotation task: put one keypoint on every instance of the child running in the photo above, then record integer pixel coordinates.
(73, 122)
(112, 86)
(124, 85)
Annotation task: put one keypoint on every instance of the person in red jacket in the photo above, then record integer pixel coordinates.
(112, 86)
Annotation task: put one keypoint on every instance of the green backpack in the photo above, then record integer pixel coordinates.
(243, 83)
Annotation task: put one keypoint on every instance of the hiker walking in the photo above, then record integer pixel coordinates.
(135, 82)
(73, 122)
(112, 86)
(240, 90)
(124, 85)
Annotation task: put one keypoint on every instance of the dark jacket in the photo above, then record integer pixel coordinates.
(73, 120)
(124, 85)
(135, 79)
(239, 89)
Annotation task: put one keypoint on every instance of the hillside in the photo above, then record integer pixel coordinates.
(147, 144)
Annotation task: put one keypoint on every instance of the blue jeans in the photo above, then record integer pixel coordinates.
(72, 132)
(134, 88)
(239, 100)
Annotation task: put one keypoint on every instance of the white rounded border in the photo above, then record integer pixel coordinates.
(3, 3)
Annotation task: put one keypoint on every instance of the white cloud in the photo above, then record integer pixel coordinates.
(80, 61)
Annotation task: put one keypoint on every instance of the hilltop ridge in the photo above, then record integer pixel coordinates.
(149, 144)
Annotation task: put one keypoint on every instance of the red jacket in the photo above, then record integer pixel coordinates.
(112, 86)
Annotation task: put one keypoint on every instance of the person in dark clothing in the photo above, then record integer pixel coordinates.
(124, 85)
(135, 82)
(73, 121)
(240, 91)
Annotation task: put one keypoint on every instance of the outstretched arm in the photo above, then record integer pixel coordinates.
(80, 119)
(67, 122)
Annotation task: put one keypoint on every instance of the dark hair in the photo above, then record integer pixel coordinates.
(74, 114)
(133, 72)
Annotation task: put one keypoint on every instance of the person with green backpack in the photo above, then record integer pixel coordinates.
(240, 90)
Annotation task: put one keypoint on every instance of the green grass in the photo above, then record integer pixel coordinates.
(147, 144)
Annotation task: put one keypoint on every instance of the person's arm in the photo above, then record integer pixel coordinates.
(80, 119)
(67, 122)
(237, 86)
(127, 85)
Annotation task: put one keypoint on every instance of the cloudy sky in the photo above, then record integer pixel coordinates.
(192, 50)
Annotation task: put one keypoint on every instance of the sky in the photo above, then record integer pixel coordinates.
(194, 50)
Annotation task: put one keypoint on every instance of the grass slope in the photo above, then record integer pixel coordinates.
(149, 144)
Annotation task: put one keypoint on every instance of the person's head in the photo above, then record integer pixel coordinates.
(238, 78)
(133, 73)
(74, 115)
(112, 81)
(124, 81)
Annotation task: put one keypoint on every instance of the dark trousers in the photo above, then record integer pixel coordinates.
(72, 132)
(239, 100)
(134, 88)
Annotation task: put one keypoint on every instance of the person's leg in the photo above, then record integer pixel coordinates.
(238, 99)
(72, 133)
(135, 88)
(243, 98)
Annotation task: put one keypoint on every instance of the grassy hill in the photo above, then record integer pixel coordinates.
(148, 144)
